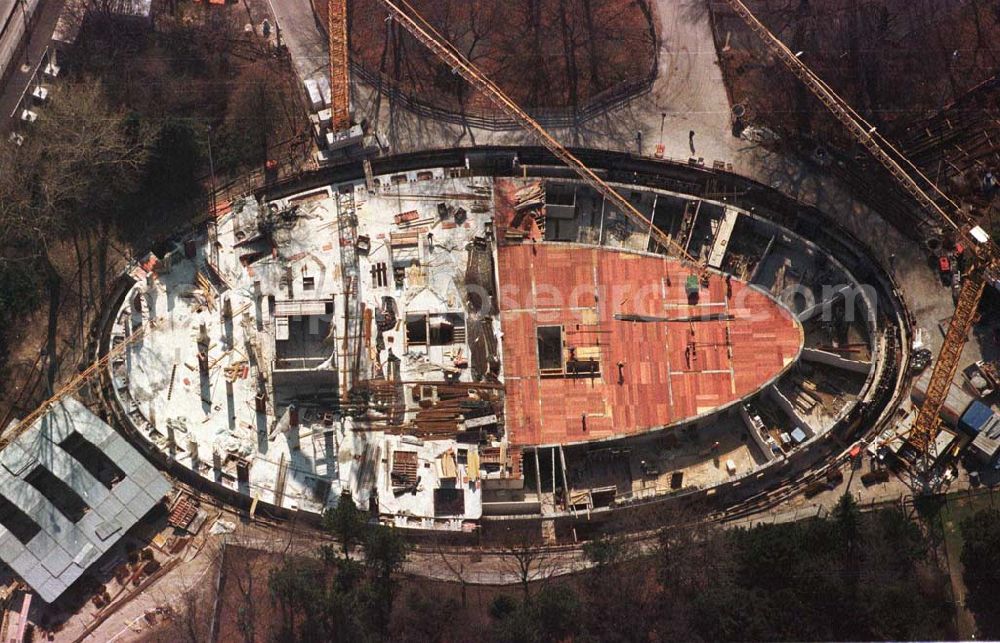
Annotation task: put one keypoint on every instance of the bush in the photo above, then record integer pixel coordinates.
(981, 560)
(503, 606)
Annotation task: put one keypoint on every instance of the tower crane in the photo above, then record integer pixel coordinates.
(340, 86)
(983, 267)
(984, 264)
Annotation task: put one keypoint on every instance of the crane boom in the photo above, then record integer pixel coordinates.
(430, 38)
(862, 131)
(984, 254)
(899, 167)
(925, 426)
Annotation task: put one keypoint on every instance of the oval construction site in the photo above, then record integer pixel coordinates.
(493, 278)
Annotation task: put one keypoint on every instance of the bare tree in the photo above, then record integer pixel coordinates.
(523, 555)
(75, 166)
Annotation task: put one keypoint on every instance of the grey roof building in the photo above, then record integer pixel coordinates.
(70, 487)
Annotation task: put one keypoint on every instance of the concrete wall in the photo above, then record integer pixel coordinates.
(830, 359)
(755, 434)
(786, 405)
(754, 488)
(529, 507)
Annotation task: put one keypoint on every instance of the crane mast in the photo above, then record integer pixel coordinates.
(340, 87)
(925, 427)
(984, 255)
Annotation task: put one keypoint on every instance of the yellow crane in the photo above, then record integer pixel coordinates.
(983, 252)
(340, 80)
(74, 384)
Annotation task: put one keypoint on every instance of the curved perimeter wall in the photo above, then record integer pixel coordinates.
(891, 325)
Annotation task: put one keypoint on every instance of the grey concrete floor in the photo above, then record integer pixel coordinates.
(300, 33)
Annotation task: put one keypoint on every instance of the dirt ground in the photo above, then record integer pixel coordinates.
(546, 54)
(894, 61)
(54, 336)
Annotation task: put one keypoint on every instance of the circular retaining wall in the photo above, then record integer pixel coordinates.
(737, 497)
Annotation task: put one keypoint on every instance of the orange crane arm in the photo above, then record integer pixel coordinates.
(925, 426)
(862, 131)
(430, 38)
(73, 385)
(340, 87)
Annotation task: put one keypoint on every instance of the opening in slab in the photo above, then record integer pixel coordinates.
(17, 522)
(95, 461)
(60, 494)
(550, 349)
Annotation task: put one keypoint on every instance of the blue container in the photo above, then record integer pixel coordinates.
(975, 418)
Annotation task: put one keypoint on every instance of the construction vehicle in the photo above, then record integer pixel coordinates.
(981, 255)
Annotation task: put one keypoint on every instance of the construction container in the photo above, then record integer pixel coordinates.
(976, 417)
(954, 405)
(986, 445)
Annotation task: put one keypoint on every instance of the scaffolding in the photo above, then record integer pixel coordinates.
(347, 222)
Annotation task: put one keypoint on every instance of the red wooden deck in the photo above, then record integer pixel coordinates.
(582, 289)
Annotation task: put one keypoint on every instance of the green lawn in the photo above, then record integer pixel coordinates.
(954, 510)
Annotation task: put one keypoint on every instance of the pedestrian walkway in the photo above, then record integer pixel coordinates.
(41, 37)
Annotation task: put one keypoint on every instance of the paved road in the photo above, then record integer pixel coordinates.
(688, 95)
(41, 36)
(302, 36)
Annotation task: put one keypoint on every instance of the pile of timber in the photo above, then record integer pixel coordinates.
(454, 405)
(385, 399)
(529, 200)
